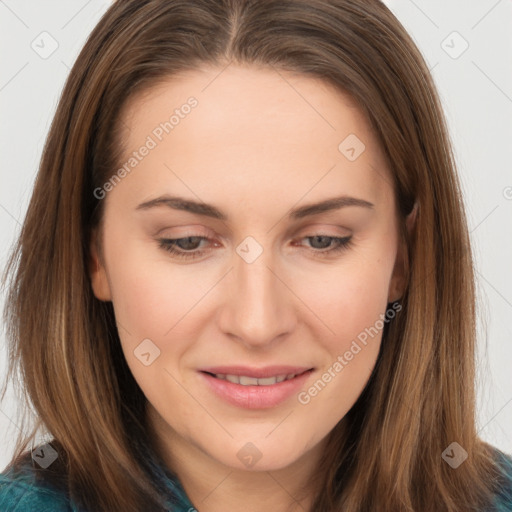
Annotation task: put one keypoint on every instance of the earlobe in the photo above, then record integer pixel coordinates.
(97, 272)
(397, 284)
(410, 221)
(399, 278)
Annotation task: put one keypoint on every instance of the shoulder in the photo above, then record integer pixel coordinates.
(503, 500)
(22, 491)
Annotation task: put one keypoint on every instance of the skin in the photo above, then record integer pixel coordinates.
(258, 144)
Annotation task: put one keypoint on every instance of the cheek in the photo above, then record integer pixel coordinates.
(144, 301)
(353, 308)
(164, 303)
(150, 293)
(150, 302)
(349, 297)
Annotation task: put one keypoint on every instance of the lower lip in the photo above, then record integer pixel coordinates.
(256, 397)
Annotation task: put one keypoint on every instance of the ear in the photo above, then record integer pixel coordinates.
(97, 271)
(399, 278)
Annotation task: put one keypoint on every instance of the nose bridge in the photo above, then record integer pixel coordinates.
(257, 307)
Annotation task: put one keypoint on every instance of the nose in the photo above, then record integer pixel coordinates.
(259, 305)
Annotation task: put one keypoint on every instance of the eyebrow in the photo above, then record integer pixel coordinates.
(208, 210)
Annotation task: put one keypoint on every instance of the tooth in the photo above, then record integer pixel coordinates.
(248, 381)
(244, 380)
(267, 381)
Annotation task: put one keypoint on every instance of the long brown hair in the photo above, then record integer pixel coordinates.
(64, 344)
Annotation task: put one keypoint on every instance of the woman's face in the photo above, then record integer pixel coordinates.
(285, 195)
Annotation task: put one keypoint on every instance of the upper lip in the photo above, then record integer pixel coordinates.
(258, 373)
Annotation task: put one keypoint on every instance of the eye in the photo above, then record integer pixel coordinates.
(183, 247)
(188, 247)
(325, 242)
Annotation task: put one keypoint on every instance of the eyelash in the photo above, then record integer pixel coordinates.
(168, 244)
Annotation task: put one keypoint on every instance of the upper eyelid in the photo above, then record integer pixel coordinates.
(310, 230)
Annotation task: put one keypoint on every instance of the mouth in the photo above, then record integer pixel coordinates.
(246, 380)
(262, 388)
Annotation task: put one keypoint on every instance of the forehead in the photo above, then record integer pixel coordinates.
(254, 127)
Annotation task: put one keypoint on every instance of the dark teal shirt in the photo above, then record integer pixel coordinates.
(21, 493)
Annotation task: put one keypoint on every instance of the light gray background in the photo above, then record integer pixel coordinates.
(476, 90)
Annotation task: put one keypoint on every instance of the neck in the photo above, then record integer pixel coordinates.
(214, 487)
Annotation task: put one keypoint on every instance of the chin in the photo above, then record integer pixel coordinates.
(260, 454)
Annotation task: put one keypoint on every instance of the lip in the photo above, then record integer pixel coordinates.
(256, 397)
